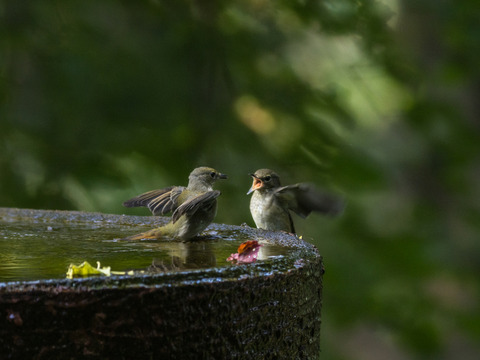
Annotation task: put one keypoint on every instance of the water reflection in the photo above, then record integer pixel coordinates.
(36, 251)
(185, 255)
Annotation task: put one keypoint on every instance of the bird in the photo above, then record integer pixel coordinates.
(193, 207)
(271, 203)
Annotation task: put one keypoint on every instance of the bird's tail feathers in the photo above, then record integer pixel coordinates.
(147, 235)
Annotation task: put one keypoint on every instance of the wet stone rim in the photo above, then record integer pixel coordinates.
(305, 253)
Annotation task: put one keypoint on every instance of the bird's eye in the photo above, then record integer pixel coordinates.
(267, 178)
(213, 174)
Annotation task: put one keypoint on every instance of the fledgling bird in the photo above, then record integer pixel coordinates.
(271, 203)
(194, 207)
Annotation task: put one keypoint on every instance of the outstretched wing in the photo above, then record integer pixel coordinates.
(160, 202)
(304, 198)
(190, 206)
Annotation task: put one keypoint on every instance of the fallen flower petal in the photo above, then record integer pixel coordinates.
(85, 269)
(247, 252)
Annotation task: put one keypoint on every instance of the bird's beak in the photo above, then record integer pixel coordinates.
(257, 184)
(222, 176)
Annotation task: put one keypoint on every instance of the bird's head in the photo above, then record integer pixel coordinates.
(204, 177)
(264, 179)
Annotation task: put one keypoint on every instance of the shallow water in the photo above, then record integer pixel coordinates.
(36, 251)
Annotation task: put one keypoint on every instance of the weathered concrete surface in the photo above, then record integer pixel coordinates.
(239, 312)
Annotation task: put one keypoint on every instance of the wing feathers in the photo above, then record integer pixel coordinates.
(159, 201)
(304, 198)
(190, 206)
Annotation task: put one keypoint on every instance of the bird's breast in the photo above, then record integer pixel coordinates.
(268, 214)
(190, 226)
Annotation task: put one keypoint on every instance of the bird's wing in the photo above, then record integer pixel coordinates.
(160, 202)
(190, 206)
(167, 202)
(304, 198)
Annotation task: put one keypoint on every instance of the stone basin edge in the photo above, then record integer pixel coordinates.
(305, 258)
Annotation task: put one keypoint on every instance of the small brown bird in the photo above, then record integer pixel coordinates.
(271, 203)
(194, 207)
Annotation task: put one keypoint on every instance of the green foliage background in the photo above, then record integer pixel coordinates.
(103, 100)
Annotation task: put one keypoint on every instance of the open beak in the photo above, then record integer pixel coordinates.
(257, 184)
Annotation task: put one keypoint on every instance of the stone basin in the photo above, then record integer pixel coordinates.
(205, 308)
